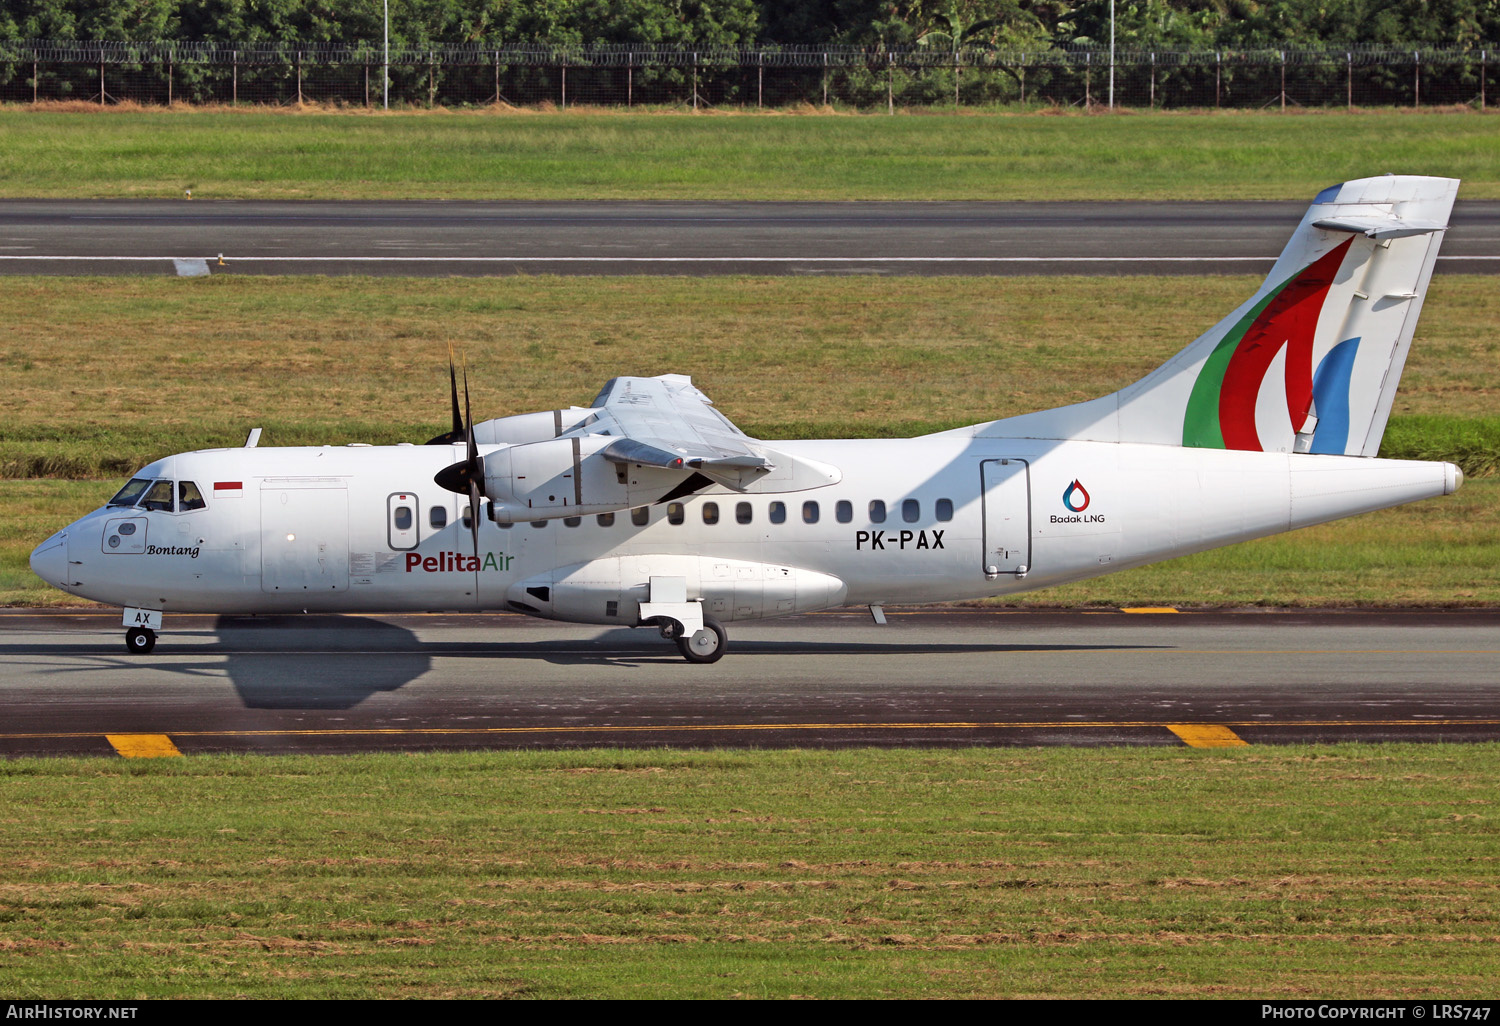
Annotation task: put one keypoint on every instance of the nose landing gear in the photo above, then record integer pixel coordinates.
(140, 640)
(141, 626)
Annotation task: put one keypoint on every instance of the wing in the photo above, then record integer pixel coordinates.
(644, 441)
(668, 423)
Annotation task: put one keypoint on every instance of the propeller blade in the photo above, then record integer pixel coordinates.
(459, 432)
(458, 423)
(474, 513)
(473, 447)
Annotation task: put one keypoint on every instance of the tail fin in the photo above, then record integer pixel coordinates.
(1310, 363)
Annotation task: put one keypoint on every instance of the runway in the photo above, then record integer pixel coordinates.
(195, 238)
(928, 678)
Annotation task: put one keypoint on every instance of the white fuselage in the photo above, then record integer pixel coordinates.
(323, 529)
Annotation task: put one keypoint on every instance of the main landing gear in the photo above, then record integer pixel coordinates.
(140, 640)
(706, 645)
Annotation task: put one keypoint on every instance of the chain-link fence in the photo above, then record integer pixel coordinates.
(37, 71)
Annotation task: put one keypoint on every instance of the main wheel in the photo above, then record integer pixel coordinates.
(140, 640)
(705, 646)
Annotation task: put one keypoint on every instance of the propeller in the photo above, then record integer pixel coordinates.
(467, 477)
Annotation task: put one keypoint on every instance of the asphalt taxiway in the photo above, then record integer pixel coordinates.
(929, 677)
(441, 238)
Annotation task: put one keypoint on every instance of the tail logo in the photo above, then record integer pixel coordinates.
(1221, 410)
(1076, 498)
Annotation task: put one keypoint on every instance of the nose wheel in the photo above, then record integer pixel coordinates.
(706, 645)
(140, 640)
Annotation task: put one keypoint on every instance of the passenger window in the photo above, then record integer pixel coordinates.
(504, 525)
(778, 512)
(539, 524)
(403, 518)
(844, 511)
(675, 513)
(189, 497)
(911, 511)
(809, 512)
(640, 516)
(710, 512)
(944, 510)
(437, 516)
(133, 490)
(159, 497)
(742, 512)
(877, 511)
(606, 519)
(572, 521)
(468, 518)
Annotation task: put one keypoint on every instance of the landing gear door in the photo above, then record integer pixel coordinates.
(1007, 517)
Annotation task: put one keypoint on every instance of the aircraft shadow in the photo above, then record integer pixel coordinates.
(267, 664)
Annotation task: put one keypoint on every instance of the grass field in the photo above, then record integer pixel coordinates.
(1357, 872)
(121, 371)
(258, 154)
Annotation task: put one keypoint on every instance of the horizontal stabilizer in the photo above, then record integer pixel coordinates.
(1379, 227)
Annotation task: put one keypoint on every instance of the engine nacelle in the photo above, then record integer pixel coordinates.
(531, 427)
(569, 477)
(611, 590)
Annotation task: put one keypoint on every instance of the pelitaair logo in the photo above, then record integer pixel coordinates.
(1076, 498)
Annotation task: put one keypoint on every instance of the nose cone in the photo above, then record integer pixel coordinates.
(49, 560)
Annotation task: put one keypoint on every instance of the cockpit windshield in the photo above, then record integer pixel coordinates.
(131, 493)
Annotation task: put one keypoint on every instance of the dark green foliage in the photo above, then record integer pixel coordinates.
(1140, 24)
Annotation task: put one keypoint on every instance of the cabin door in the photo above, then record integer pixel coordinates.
(1007, 517)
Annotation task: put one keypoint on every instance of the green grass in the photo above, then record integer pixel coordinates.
(1348, 871)
(121, 371)
(255, 154)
